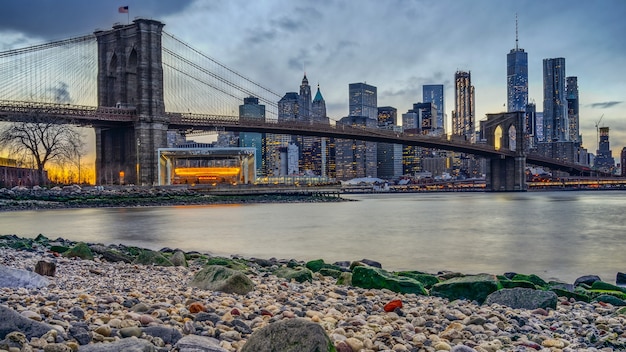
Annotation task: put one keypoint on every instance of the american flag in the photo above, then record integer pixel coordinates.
(123, 9)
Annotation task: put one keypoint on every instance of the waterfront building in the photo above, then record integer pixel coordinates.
(388, 155)
(433, 93)
(355, 158)
(463, 116)
(571, 93)
(318, 108)
(623, 161)
(555, 121)
(517, 77)
(251, 109)
(362, 100)
(604, 156)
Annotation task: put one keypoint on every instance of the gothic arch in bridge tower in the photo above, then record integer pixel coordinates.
(505, 132)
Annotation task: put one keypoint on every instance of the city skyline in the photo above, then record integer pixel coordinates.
(425, 43)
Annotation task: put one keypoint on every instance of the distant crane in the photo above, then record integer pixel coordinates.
(598, 133)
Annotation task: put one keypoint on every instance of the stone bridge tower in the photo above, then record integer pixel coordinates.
(506, 131)
(130, 76)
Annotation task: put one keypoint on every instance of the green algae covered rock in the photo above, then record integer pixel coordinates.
(299, 274)
(517, 284)
(371, 277)
(221, 278)
(344, 279)
(229, 263)
(427, 280)
(531, 278)
(150, 257)
(471, 287)
(578, 295)
(80, 250)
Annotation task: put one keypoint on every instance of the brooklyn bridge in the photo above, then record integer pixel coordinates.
(134, 82)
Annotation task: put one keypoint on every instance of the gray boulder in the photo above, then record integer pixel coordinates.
(196, 343)
(11, 277)
(293, 335)
(168, 335)
(131, 344)
(523, 298)
(11, 321)
(178, 259)
(587, 280)
(221, 278)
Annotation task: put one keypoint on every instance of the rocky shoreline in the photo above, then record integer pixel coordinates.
(93, 297)
(37, 198)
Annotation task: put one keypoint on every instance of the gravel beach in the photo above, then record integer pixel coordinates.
(97, 305)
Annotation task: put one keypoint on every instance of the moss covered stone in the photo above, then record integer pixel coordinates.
(330, 272)
(471, 287)
(531, 278)
(229, 263)
(578, 296)
(426, 280)
(344, 279)
(370, 277)
(299, 274)
(149, 257)
(517, 284)
(601, 285)
(221, 278)
(80, 250)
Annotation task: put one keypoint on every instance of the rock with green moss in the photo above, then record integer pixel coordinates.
(41, 239)
(330, 272)
(596, 293)
(223, 279)
(610, 299)
(150, 257)
(425, 279)
(344, 279)
(80, 250)
(601, 285)
(371, 277)
(471, 287)
(319, 264)
(111, 255)
(517, 284)
(59, 249)
(578, 295)
(229, 263)
(299, 274)
(531, 278)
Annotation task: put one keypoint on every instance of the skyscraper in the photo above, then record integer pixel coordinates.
(604, 158)
(433, 93)
(251, 109)
(318, 107)
(463, 117)
(363, 100)
(388, 155)
(517, 77)
(555, 122)
(571, 91)
(305, 99)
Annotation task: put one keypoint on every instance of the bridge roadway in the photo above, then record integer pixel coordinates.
(106, 116)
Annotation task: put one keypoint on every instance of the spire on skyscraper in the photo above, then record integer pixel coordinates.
(516, 35)
(318, 95)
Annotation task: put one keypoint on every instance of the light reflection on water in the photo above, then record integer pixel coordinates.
(553, 234)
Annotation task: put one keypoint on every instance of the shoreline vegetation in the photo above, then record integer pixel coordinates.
(37, 198)
(95, 297)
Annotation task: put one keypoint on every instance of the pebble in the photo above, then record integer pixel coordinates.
(85, 309)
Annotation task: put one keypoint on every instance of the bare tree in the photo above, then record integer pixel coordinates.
(44, 139)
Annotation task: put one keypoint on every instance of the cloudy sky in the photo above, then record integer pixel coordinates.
(395, 45)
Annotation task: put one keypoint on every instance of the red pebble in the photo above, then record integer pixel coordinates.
(391, 306)
(196, 307)
(266, 312)
(235, 311)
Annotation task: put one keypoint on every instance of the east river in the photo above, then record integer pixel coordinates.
(560, 235)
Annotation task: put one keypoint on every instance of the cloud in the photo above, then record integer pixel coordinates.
(605, 105)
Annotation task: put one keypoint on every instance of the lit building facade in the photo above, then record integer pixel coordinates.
(517, 78)
(355, 158)
(463, 116)
(251, 109)
(623, 161)
(363, 100)
(604, 156)
(571, 92)
(388, 155)
(433, 93)
(555, 121)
